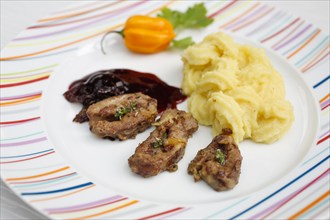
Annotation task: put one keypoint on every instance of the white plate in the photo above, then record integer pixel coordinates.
(64, 171)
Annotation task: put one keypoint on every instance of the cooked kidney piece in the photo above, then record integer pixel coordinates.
(122, 116)
(165, 146)
(219, 164)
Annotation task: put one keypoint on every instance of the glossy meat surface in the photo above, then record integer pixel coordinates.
(122, 117)
(165, 146)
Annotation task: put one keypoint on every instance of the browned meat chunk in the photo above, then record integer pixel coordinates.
(122, 116)
(219, 164)
(165, 146)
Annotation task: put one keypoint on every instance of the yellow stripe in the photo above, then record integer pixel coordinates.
(21, 101)
(22, 79)
(38, 175)
(109, 210)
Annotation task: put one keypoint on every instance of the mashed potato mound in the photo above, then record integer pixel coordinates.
(235, 86)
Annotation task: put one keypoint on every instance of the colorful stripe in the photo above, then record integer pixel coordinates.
(300, 42)
(312, 52)
(76, 41)
(294, 37)
(78, 13)
(29, 71)
(240, 16)
(277, 16)
(288, 35)
(305, 44)
(19, 121)
(25, 155)
(56, 191)
(78, 27)
(306, 208)
(44, 180)
(27, 159)
(270, 210)
(37, 79)
(38, 175)
(161, 213)
(221, 10)
(86, 206)
(321, 82)
(112, 13)
(255, 19)
(280, 189)
(248, 16)
(109, 210)
(311, 65)
(280, 31)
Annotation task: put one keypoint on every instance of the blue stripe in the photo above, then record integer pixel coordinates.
(56, 191)
(282, 188)
(322, 81)
(25, 155)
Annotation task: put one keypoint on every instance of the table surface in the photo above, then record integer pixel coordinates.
(17, 15)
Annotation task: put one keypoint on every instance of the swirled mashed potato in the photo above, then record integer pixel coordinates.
(235, 86)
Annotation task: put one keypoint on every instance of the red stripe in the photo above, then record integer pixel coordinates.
(289, 34)
(31, 158)
(309, 67)
(325, 107)
(223, 9)
(280, 31)
(23, 83)
(18, 121)
(323, 139)
(43, 180)
(161, 213)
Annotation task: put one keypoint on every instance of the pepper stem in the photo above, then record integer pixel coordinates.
(106, 34)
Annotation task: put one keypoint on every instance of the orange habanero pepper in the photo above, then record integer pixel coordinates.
(143, 34)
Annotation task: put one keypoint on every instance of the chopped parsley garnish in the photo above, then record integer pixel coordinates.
(122, 111)
(159, 141)
(220, 157)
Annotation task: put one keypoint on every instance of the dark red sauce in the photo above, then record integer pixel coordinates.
(106, 83)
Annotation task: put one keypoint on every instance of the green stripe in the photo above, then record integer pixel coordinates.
(9, 139)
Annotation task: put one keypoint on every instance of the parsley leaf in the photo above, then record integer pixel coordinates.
(194, 17)
(172, 16)
(220, 157)
(183, 43)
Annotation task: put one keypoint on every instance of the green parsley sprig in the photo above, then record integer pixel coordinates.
(122, 111)
(195, 17)
(220, 157)
(159, 141)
